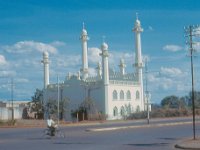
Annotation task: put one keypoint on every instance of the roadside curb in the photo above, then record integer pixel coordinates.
(136, 126)
(188, 144)
(44, 125)
(23, 126)
(185, 147)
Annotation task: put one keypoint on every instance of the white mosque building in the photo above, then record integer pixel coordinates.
(116, 94)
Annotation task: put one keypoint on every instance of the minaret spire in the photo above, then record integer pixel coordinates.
(138, 56)
(45, 61)
(136, 15)
(122, 66)
(138, 50)
(84, 38)
(99, 70)
(105, 75)
(83, 25)
(104, 54)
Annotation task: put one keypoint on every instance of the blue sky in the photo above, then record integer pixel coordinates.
(27, 27)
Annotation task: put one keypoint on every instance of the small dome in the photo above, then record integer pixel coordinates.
(137, 22)
(104, 46)
(45, 54)
(84, 32)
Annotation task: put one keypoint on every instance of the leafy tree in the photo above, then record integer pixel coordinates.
(87, 107)
(183, 102)
(37, 105)
(52, 107)
(170, 102)
(196, 99)
(63, 107)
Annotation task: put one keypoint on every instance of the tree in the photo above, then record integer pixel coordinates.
(196, 99)
(52, 107)
(37, 104)
(170, 102)
(87, 110)
(183, 102)
(63, 107)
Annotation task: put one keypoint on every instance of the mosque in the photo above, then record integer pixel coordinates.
(116, 94)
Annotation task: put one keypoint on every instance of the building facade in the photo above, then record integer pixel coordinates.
(116, 94)
(7, 108)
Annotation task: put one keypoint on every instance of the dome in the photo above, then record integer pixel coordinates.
(45, 54)
(84, 32)
(137, 22)
(121, 61)
(104, 46)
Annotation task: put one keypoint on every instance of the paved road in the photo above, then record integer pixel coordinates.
(151, 138)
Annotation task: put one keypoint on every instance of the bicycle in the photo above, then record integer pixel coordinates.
(57, 133)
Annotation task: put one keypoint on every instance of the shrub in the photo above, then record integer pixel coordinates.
(8, 122)
(161, 113)
(137, 115)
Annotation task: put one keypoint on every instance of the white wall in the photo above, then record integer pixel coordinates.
(119, 102)
(6, 113)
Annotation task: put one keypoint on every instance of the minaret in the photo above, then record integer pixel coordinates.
(104, 54)
(122, 66)
(138, 52)
(45, 61)
(84, 38)
(138, 55)
(105, 75)
(99, 70)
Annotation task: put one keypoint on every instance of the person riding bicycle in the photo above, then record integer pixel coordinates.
(51, 126)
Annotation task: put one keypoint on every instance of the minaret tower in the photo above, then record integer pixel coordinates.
(84, 38)
(138, 50)
(104, 54)
(99, 70)
(138, 54)
(105, 74)
(45, 61)
(122, 66)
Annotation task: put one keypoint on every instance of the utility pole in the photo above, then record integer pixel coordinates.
(58, 98)
(12, 90)
(190, 32)
(147, 93)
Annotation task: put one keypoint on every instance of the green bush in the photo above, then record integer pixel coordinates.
(138, 115)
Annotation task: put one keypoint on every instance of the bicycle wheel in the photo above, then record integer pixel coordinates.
(60, 133)
(46, 133)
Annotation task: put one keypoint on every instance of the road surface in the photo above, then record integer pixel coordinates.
(78, 137)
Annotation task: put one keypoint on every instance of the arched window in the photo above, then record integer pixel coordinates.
(128, 95)
(122, 111)
(137, 95)
(121, 95)
(114, 95)
(115, 111)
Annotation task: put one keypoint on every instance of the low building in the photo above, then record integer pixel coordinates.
(6, 108)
